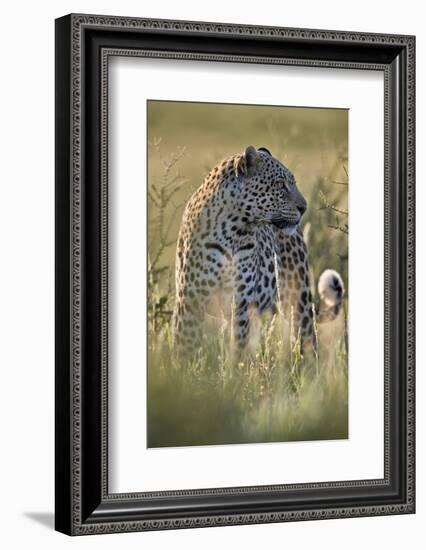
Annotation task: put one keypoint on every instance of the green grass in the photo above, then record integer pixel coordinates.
(275, 392)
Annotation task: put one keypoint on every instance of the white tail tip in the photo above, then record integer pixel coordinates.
(331, 288)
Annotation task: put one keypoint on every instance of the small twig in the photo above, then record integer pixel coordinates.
(339, 228)
(328, 205)
(337, 182)
(153, 199)
(334, 208)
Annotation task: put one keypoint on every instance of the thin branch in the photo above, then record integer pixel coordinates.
(153, 199)
(334, 208)
(344, 230)
(329, 206)
(337, 182)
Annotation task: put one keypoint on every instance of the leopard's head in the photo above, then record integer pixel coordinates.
(267, 190)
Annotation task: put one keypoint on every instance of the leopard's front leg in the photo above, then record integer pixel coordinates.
(295, 288)
(245, 278)
(241, 324)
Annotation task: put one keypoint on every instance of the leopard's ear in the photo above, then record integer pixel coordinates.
(247, 163)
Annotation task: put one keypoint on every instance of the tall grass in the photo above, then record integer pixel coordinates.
(276, 391)
(275, 394)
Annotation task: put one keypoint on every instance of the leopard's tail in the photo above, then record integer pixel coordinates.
(331, 291)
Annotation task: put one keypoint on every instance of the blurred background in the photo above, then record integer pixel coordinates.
(277, 395)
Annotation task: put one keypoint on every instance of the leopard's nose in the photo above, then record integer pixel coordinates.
(302, 209)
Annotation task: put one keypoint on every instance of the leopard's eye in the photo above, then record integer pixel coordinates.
(283, 185)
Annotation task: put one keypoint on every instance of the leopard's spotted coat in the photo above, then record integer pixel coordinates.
(240, 239)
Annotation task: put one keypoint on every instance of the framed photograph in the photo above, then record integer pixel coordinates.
(234, 274)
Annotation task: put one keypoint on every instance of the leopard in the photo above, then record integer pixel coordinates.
(241, 240)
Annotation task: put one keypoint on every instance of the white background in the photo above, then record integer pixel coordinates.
(26, 219)
(360, 456)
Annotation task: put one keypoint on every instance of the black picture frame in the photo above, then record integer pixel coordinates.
(83, 45)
